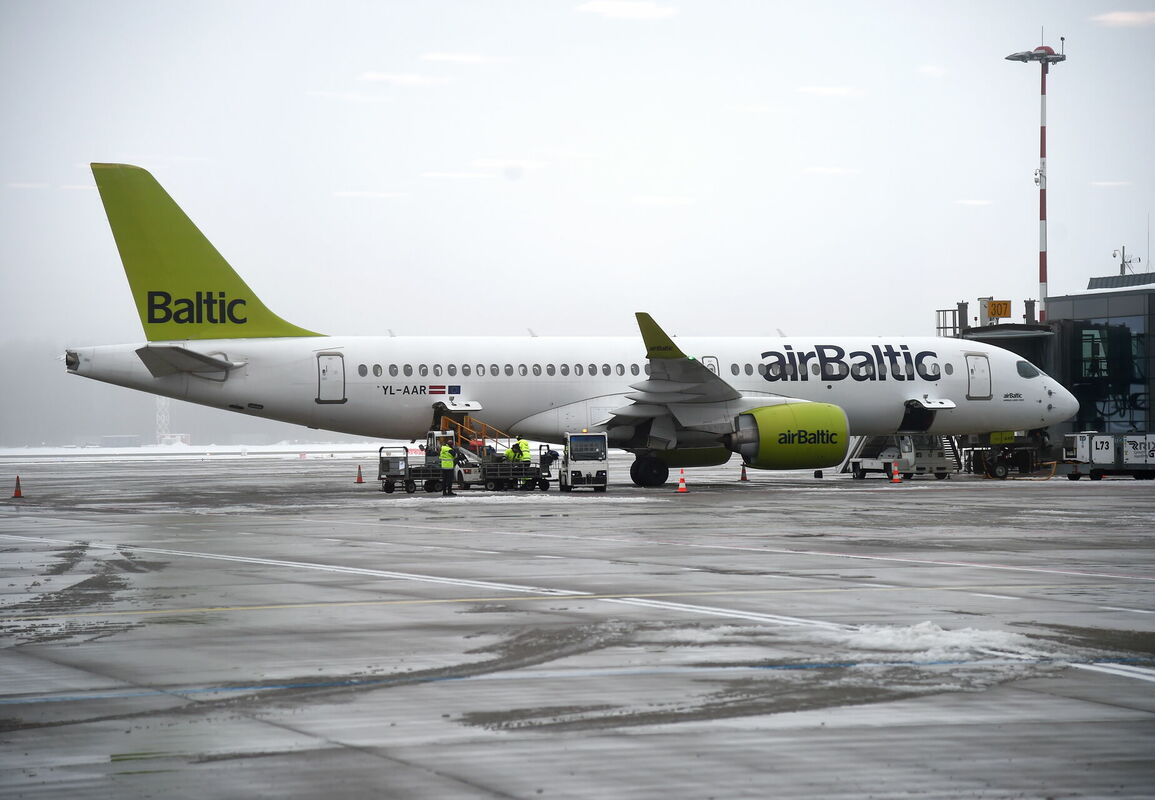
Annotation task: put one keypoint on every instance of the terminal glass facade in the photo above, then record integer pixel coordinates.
(1105, 358)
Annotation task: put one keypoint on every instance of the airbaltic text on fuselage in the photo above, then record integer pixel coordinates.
(835, 364)
(211, 307)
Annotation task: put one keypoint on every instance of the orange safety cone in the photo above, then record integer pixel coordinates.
(682, 484)
(17, 493)
(743, 478)
(359, 478)
(895, 475)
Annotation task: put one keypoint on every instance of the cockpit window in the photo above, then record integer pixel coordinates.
(1027, 369)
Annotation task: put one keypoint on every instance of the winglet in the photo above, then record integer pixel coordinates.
(658, 342)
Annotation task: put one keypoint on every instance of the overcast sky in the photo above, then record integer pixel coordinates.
(731, 167)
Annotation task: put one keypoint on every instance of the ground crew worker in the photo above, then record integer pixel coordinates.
(522, 449)
(447, 463)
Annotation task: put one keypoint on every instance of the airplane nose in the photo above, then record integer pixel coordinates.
(1064, 403)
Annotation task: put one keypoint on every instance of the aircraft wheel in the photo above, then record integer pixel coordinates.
(652, 471)
(1074, 476)
(634, 473)
(388, 488)
(410, 486)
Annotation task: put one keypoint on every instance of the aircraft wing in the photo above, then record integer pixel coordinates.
(682, 400)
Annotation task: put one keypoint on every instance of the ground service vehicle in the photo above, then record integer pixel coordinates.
(1098, 454)
(584, 462)
(393, 469)
(907, 454)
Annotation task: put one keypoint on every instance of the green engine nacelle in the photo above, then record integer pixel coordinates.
(792, 436)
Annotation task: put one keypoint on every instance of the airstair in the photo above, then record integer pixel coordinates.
(910, 454)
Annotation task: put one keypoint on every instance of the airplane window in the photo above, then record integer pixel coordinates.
(773, 369)
(423, 370)
(465, 370)
(815, 369)
(735, 369)
(521, 370)
(577, 369)
(593, 369)
(451, 369)
(362, 370)
(646, 367)
(621, 370)
(376, 370)
(494, 370)
(509, 369)
(436, 369)
(549, 369)
(481, 370)
(748, 369)
(408, 370)
(392, 371)
(634, 369)
(948, 369)
(537, 369)
(605, 369)
(564, 369)
(1027, 369)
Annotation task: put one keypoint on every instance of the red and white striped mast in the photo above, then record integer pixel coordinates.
(1045, 56)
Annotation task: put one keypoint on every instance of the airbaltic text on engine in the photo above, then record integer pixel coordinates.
(210, 307)
(835, 364)
(803, 436)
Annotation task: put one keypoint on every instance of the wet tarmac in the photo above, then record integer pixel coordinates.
(243, 627)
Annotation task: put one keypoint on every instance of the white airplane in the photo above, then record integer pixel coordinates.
(781, 403)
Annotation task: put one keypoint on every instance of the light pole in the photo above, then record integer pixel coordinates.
(1045, 56)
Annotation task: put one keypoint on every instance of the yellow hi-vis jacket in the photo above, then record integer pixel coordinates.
(522, 450)
(446, 457)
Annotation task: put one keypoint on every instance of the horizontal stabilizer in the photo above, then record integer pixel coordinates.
(170, 359)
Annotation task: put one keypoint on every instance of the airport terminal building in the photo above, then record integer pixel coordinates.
(1098, 344)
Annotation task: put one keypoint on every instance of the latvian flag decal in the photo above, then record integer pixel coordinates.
(454, 389)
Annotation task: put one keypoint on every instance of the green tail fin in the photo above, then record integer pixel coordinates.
(184, 288)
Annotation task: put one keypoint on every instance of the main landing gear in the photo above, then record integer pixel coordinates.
(649, 471)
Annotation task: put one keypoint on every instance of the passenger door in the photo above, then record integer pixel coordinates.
(330, 378)
(978, 378)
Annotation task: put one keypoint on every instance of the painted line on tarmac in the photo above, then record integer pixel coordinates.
(630, 599)
(828, 554)
(995, 596)
(631, 596)
(1121, 668)
(1131, 610)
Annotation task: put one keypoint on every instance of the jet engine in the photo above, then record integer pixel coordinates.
(791, 436)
